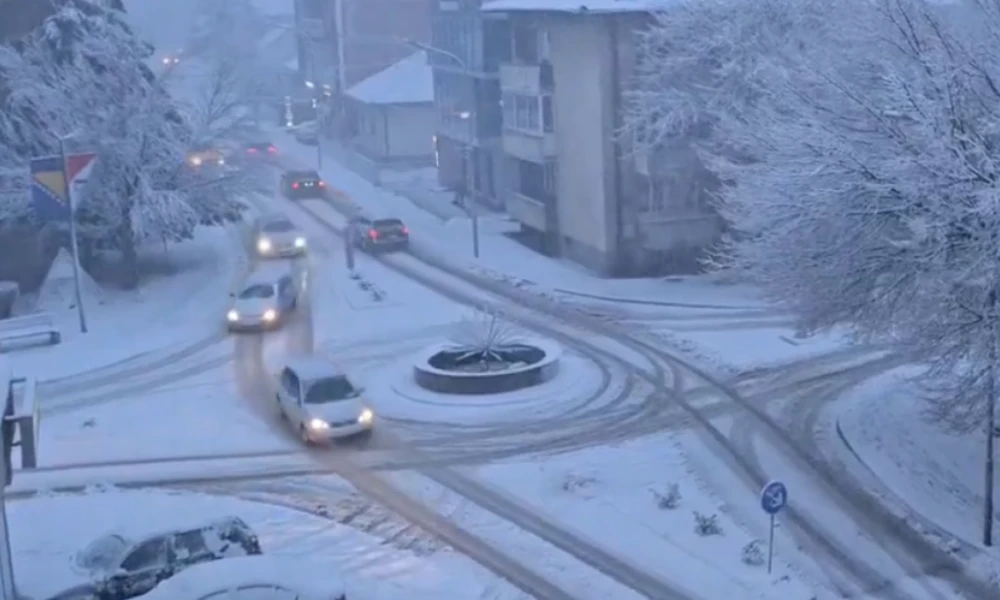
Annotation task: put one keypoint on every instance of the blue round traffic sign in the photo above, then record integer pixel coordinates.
(773, 497)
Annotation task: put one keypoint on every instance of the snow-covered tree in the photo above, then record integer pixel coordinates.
(83, 74)
(861, 174)
(230, 33)
(700, 60)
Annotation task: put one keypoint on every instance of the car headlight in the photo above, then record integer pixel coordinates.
(196, 161)
(222, 161)
(270, 314)
(300, 242)
(318, 424)
(366, 416)
(233, 315)
(264, 245)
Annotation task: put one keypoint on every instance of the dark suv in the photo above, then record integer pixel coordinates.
(379, 234)
(121, 569)
(303, 184)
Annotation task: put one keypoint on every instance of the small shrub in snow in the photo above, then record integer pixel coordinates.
(575, 482)
(752, 554)
(705, 525)
(670, 499)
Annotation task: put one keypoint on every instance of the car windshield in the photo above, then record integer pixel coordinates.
(102, 553)
(306, 176)
(257, 291)
(278, 227)
(330, 389)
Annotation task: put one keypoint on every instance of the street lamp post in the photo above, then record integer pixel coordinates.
(469, 117)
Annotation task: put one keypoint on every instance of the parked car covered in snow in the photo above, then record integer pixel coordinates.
(120, 568)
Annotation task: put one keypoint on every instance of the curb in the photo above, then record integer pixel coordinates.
(665, 304)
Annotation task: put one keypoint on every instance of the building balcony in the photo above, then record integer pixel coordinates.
(530, 146)
(527, 79)
(526, 210)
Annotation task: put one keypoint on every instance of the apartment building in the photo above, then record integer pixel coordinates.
(572, 183)
(372, 32)
(467, 48)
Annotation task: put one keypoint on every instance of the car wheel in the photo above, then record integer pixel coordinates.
(364, 438)
(304, 435)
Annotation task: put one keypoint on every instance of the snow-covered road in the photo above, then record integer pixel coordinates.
(627, 385)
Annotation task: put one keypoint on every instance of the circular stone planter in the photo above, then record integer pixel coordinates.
(443, 368)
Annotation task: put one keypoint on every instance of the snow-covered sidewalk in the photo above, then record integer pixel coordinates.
(881, 431)
(178, 307)
(640, 501)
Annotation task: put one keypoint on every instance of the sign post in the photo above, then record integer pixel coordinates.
(53, 178)
(349, 249)
(773, 498)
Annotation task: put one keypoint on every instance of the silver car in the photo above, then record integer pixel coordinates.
(274, 236)
(264, 302)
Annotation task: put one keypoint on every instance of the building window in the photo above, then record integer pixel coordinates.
(532, 114)
(547, 117)
(455, 35)
(549, 179)
(525, 43)
(453, 99)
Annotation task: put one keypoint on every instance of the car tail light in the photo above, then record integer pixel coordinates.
(295, 185)
(406, 230)
(251, 151)
(272, 149)
(373, 234)
(321, 183)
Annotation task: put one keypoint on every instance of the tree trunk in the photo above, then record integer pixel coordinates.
(130, 256)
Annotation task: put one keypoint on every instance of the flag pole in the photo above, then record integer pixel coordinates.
(74, 246)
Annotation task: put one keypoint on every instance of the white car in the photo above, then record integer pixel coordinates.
(263, 302)
(306, 133)
(321, 403)
(274, 236)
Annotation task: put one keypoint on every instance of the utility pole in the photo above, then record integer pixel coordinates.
(991, 409)
(470, 118)
(467, 180)
(341, 62)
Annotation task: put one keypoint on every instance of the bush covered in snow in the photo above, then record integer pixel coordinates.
(752, 554)
(670, 499)
(705, 525)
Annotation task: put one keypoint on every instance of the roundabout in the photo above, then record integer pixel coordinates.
(399, 395)
(450, 369)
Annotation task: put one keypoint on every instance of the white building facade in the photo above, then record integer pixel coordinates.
(569, 179)
(393, 113)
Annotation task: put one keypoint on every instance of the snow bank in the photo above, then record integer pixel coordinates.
(46, 533)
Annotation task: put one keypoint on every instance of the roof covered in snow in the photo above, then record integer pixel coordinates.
(410, 81)
(581, 7)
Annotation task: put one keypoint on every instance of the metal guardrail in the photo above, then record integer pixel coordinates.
(27, 328)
